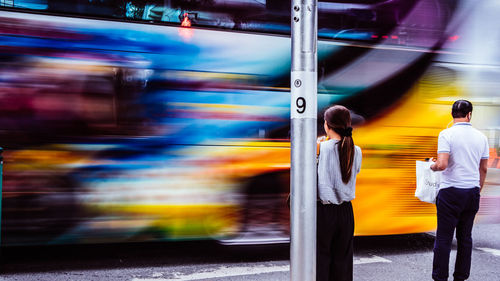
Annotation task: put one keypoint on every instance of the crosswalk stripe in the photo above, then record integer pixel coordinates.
(221, 272)
(494, 252)
(373, 259)
(225, 271)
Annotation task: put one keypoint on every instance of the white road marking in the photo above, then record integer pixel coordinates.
(222, 271)
(373, 259)
(494, 252)
(225, 271)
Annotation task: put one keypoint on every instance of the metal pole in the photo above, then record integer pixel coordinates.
(303, 138)
(1, 195)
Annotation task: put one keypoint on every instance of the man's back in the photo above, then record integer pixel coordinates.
(462, 156)
(466, 147)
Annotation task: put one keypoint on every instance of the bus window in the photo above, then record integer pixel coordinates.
(354, 20)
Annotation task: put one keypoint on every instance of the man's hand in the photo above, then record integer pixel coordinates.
(432, 160)
(483, 169)
(441, 163)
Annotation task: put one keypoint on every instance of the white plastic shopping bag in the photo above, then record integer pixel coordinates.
(427, 182)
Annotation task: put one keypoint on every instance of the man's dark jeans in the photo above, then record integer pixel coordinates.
(456, 208)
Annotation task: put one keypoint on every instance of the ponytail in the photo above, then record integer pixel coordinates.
(338, 118)
(346, 152)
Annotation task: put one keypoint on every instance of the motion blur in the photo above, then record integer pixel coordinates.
(161, 120)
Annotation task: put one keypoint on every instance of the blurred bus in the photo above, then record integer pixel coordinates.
(143, 120)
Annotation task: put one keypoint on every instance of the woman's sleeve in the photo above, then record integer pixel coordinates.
(360, 158)
(321, 164)
(324, 160)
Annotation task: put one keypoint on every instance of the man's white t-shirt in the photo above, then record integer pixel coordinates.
(466, 146)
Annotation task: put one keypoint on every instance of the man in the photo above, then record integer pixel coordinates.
(463, 157)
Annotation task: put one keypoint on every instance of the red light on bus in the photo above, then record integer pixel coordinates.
(394, 37)
(454, 38)
(385, 36)
(374, 36)
(186, 22)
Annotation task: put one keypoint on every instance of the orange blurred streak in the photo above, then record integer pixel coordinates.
(494, 161)
(186, 22)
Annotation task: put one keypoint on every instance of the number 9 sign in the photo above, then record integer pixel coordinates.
(304, 95)
(301, 105)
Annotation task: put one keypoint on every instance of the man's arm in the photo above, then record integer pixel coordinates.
(483, 169)
(441, 163)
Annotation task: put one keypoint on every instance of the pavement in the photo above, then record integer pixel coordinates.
(398, 257)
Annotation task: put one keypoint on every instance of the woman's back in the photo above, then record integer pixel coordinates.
(339, 163)
(331, 188)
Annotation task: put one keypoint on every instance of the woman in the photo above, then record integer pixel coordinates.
(339, 163)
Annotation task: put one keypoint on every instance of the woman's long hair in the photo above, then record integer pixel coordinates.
(338, 119)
